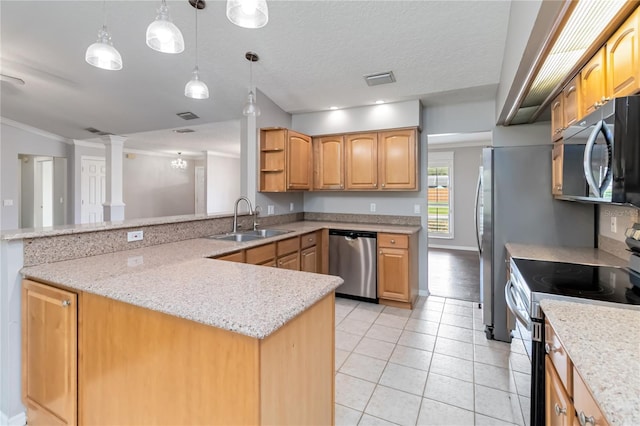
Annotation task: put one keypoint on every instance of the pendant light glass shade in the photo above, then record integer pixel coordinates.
(248, 13)
(102, 54)
(196, 88)
(163, 35)
(251, 108)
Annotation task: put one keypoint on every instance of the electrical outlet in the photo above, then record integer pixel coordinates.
(271, 209)
(614, 224)
(8, 203)
(290, 207)
(372, 207)
(134, 236)
(416, 208)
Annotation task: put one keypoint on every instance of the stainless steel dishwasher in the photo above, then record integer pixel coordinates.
(352, 256)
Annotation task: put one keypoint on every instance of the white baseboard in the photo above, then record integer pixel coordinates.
(465, 248)
(17, 420)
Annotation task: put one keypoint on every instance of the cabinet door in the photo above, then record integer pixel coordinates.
(557, 118)
(393, 274)
(584, 403)
(49, 354)
(233, 257)
(558, 407)
(361, 156)
(290, 261)
(571, 102)
(397, 159)
(309, 260)
(556, 168)
(593, 83)
(623, 61)
(299, 166)
(328, 162)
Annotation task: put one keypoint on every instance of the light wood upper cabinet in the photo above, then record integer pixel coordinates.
(361, 155)
(623, 58)
(299, 163)
(557, 118)
(328, 162)
(49, 354)
(571, 103)
(397, 159)
(593, 82)
(285, 160)
(557, 155)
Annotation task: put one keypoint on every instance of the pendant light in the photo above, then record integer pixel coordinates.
(162, 34)
(179, 163)
(248, 13)
(196, 88)
(102, 54)
(251, 108)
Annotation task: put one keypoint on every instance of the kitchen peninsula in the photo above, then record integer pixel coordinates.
(167, 336)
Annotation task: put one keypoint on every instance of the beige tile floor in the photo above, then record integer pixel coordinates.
(429, 366)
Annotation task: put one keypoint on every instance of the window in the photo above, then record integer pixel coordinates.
(440, 194)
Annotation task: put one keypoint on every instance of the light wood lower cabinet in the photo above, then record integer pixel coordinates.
(558, 406)
(49, 354)
(309, 259)
(397, 269)
(290, 261)
(142, 367)
(233, 257)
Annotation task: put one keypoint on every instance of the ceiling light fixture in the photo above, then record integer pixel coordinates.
(248, 13)
(102, 54)
(333, 108)
(251, 108)
(196, 88)
(379, 102)
(179, 163)
(162, 34)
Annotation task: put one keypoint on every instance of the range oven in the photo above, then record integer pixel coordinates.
(534, 280)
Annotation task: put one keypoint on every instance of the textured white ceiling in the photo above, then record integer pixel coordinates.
(313, 55)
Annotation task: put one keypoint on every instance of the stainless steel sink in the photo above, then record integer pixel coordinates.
(249, 235)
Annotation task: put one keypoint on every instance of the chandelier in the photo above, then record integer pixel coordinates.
(179, 163)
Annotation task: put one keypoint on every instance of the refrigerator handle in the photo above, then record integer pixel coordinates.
(475, 209)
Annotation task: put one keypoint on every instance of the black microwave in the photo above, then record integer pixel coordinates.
(601, 155)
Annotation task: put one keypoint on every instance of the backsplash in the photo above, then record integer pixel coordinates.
(363, 218)
(613, 241)
(73, 246)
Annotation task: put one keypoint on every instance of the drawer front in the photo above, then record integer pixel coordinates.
(586, 407)
(233, 257)
(261, 254)
(308, 240)
(393, 241)
(561, 361)
(288, 246)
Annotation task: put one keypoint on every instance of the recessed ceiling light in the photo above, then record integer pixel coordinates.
(333, 108)
(379, 101)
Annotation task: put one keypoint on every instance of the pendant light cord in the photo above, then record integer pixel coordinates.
(196, 8)
(104, 13)
(251, 75)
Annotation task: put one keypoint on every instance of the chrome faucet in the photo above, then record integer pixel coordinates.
(235, 212)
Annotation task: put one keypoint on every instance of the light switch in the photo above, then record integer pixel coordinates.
(8, 203)
(290, 207)
(271, 209)
(416, 208)
(372, 207)
(614, 224)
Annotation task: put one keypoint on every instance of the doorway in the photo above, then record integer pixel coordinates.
(92, 189)
(200, 207)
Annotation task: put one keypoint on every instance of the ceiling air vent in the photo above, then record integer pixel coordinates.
(184, 130)
(97, 132)
(380, 78)
(187, 115)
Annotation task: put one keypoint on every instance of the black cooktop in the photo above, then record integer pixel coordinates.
(603, 283)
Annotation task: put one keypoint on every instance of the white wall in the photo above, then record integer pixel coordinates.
(375, 117)
(466, 164)
(466, 117)
(151, 188)
(222, 182)
(21, 139)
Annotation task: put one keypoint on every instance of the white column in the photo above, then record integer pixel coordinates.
(113, 203)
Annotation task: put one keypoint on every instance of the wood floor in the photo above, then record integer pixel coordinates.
(454, 274)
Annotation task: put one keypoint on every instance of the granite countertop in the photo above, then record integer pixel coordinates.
(604, 346)
(583, 255)
(178, 279)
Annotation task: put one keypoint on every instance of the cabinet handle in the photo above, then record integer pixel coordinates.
(392, 241)
(66, 303)
(380, 252)
(383, 185)
(560, 410)
(550, 349)
(583, 419)
(310, 239)
(374, 185)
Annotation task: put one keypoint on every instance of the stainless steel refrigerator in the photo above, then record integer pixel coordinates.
(515, 205)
